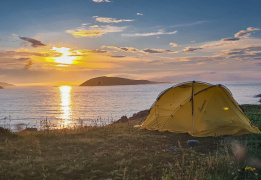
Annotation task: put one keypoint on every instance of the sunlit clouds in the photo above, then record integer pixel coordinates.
(246, 33)
(126, 49)
(111, 20)
(174, 44)
(160, 32)
(95, 31)
(91, 32)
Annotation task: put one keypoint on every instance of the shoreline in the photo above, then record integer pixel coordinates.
(119, 150)
(81, 123)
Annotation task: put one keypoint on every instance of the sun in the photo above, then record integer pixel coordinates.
(68, 56)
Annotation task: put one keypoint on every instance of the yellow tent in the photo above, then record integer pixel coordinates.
(199, 109)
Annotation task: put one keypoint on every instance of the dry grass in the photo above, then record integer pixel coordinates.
(119, 151)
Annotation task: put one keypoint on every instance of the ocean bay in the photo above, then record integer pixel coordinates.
(31, 105)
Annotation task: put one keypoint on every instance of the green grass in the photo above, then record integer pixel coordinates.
(119, 151)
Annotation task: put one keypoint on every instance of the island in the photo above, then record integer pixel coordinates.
(113, 81)
(2, 84)
(258, 96)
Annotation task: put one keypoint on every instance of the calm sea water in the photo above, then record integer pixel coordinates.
(29, 105)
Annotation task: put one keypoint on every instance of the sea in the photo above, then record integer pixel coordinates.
(55, 107)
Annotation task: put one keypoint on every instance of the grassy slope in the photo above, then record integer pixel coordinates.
(119, 151)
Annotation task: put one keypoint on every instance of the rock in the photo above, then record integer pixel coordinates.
(122, 119)
(258, 96)
(30, 129)
(193, 143)
(174, 148)
(140, 114)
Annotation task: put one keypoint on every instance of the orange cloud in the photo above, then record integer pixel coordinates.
(174, 44)
(92, 32)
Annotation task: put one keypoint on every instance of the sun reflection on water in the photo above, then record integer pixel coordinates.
(65, 106)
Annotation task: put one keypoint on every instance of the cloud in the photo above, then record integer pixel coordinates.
(246, 53)
(246, 33)
(95, 31)
(34, 42)
(160, 32)
(157, 51)
(23, 59)
(126, 49)
(188, 24)
(25, 53)
(111, 20)
(191, 48)
(146, 51)
(230, 39)
(174, 44)
(111, 29)
(241, 34)
(99, 1)
(155, 62)
(98, 51)
(139, 14)
(118, 56)
(208, 76)
(28, 64)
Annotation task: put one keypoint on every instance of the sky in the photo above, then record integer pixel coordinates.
(71, 41)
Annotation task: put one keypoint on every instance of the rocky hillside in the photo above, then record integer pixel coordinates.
(112, 81)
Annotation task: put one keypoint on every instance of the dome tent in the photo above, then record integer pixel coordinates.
(200, 109)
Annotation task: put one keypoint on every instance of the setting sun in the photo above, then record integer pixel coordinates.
(67, 57)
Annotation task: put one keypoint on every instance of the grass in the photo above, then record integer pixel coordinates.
(119, 151)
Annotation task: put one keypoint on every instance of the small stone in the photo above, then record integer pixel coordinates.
(174, 148)
(193, 143)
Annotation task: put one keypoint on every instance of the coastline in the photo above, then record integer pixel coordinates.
(119, 151)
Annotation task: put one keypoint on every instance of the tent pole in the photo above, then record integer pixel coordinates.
(192, 104)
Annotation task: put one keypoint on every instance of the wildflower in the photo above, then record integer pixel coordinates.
(247, 168)
(256, 174)
(250, 168)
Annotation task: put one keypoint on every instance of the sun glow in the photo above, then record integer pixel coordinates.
(68, 56)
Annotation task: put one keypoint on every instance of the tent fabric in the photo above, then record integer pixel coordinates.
(200, 109)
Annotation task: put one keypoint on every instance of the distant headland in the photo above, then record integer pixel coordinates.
(2, 84)
(114, 81)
